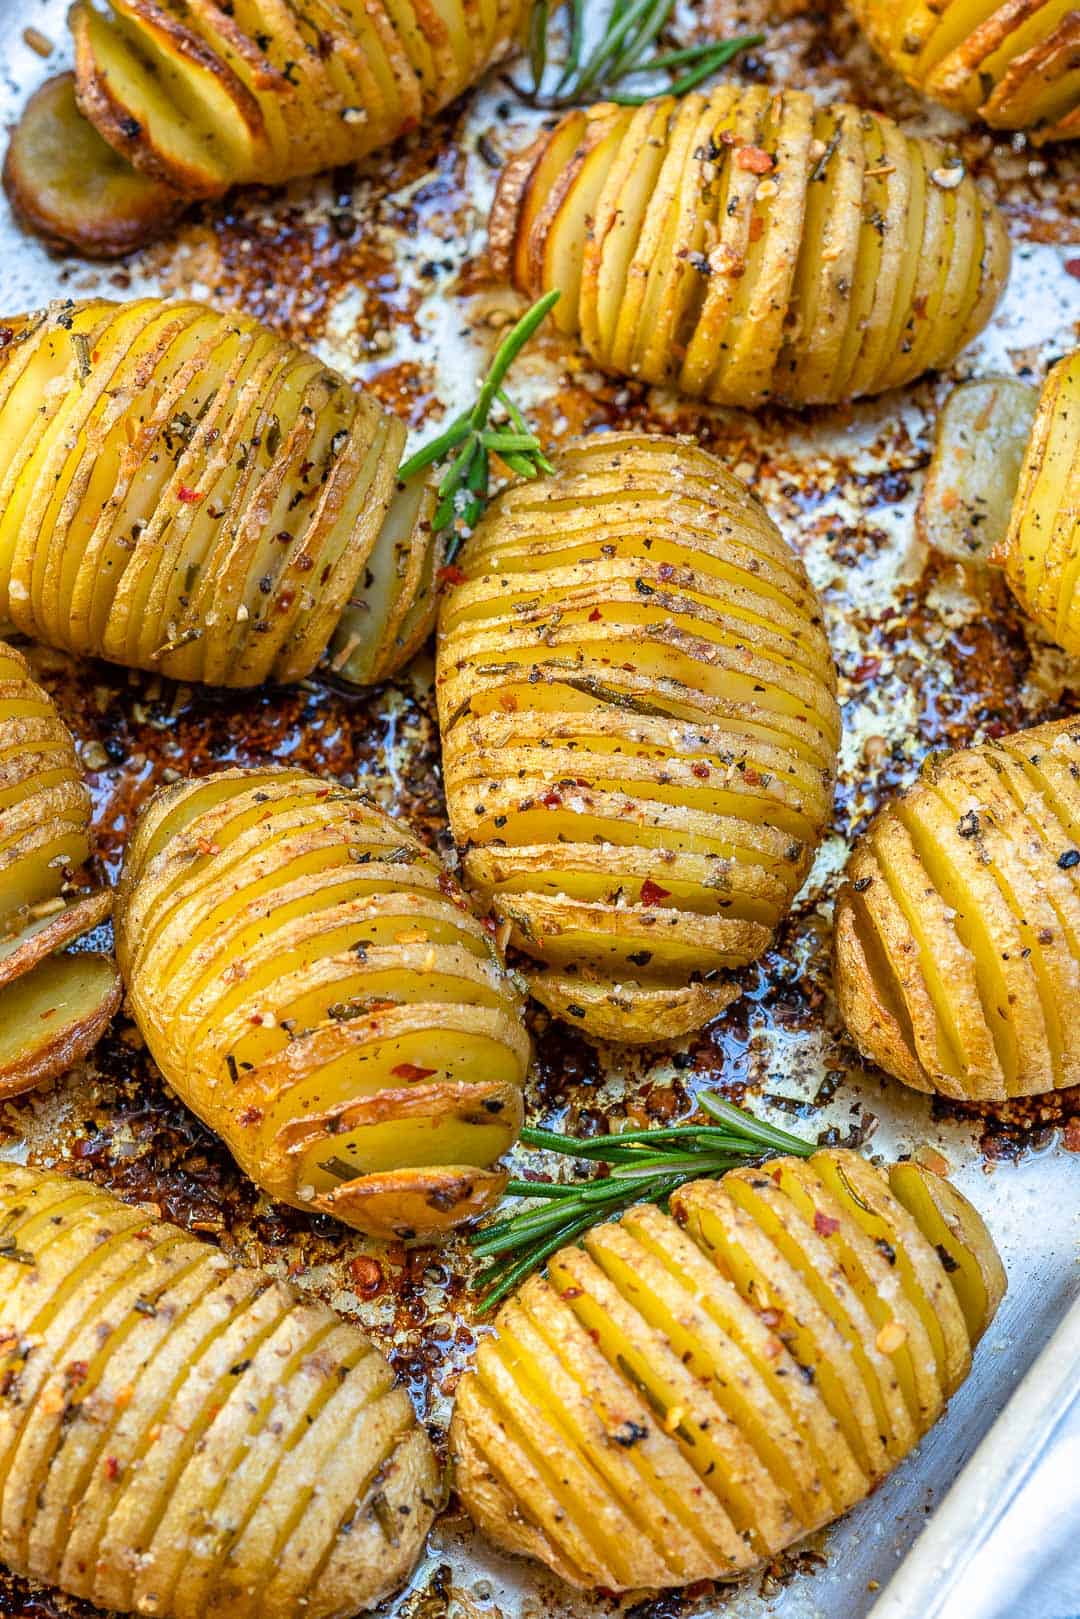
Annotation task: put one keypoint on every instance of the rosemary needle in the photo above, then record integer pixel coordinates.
(639, 1166)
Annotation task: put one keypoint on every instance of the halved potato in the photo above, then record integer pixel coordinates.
(638, 728)
(320, 991)
(681, 1398)
(746, 247)
(186, 1436)
(982, 434)
(958, 927)
(203, 499)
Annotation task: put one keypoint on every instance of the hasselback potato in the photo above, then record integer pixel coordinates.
(958, 924)
(54, 1004)
(639, 730)
(683, 1397)
(745, 246)
(320, 991)
(1040, 553)
(180, 1437)
(1014, 63)
(187, 492)
(205, 96)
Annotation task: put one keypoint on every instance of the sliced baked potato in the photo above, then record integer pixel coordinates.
(685, 1395)
(185, 491)
(743, 246)
(54, 1004)
(1013, 63)
(958, 924)
(318, 989)
(639, 730)
(982, 435)
(181, 1437)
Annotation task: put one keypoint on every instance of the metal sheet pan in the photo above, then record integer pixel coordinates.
(382, 270)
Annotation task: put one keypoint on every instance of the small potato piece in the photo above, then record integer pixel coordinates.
(53, 1016)
(639, 1418)
(745, 247)
(72, 188)
(982, 435)
(188, 1437)
(958, 927)
(320, 991)
(639, 730)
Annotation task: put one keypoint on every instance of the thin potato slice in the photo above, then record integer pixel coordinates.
(53, 1016)
(981, 438)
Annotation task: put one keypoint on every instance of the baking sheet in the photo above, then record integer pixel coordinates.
(382, 271)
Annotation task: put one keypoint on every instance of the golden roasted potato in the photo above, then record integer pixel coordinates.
(205, 96)
(187, 492)
(320, 991)
(180, 1437)
(958, 924)
(982, 435)
(54, 1005)
(1040, 553)
(744, 246)
(69, 185)
(1013, 63)
(681, 1398)
(639, 730)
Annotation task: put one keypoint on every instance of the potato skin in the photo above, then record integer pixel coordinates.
(1040, 553)
(1014, 64)
(764, 1358)
(347, 1026)
(54, 1007)
(744, 247)
(187, 1436)
(957, 922)
(639, 729)
(200, 497)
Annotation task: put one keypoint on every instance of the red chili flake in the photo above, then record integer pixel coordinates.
(1072, 267)
(188, 495)
(409, 1071)
(75, 1373)
(572, 1293)
(595, 616)
(367, 1276)
(207, 846)
(551, 800)
(652, 893)
(771, 1317)
(452, 575)
(757, 227)
(753, 158)
(1070, 1136)
(700, 770)
(112, 1469)
(446, 885)
(249, 1115)
(866, 669)
(490, 924)
(824, 1224)
(752, 778)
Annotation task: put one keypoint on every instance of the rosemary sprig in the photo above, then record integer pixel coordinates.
(469, 442)
(644, 1166)
(631, 31)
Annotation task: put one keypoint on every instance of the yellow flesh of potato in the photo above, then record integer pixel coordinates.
(1016, 66)
(958, 927)
(639, 730)
(320, 992)
(743, 247)
(982, 436)
(201, 498)
(188, 1436)
(682, 1398)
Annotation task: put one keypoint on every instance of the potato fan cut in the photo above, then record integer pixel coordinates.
(639, 730)
(187, 492)
(323, 995)
(1015, 65)
(681, 1398)
(744, 246)
(958, 925)
(180, 1437)
(54, 1005)
(205, 96)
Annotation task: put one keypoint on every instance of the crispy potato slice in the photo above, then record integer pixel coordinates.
(981, 438)
(59, 922)
(53, 1016)
(644, 1401)
(72, 188)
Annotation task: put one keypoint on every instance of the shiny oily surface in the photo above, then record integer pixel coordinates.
(382, 270)
(639, 730)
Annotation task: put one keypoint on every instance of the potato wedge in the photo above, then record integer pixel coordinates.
(322, 993)
(1016, 66)
(638, 1418)
(982, 435)
(639, 730)
(747, 247)
(203, 499)
(189, 1437)
(958, 925)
